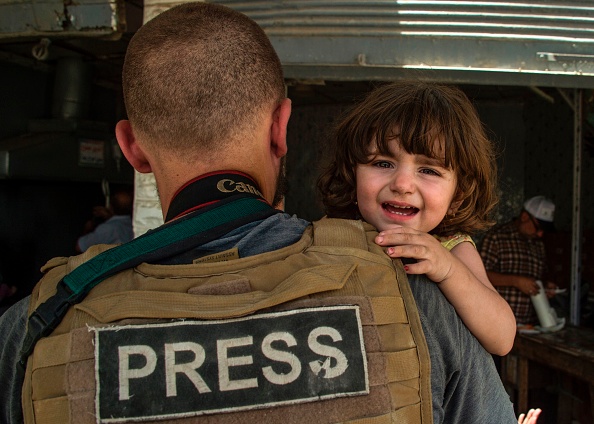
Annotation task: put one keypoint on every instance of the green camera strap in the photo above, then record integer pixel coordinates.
(170, 239)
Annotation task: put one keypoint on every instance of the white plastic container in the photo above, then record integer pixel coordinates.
(546, 315)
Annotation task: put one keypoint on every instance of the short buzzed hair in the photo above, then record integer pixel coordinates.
(198, 75)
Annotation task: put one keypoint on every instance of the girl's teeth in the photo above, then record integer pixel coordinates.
(400, 210)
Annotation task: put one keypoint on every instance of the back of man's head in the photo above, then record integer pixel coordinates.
(197, 76)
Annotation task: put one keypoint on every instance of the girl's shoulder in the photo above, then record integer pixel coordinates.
(449, 242)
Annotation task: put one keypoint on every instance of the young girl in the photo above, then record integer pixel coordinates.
(413, 160)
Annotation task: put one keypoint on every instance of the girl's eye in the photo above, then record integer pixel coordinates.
(382, 164)
(429, 171)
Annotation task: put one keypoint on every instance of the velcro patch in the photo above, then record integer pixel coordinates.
(190, 368)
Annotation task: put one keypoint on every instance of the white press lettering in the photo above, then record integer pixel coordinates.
(189, 369)
(125, 373)
(327, 351)
(225, 362)
(280, 356)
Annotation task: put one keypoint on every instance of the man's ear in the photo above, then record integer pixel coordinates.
(130, 147)
(278, 130)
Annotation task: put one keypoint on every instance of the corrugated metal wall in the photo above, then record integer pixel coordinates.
(488, 42)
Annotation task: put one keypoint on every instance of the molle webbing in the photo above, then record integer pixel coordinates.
(337, 269)
(174, 237)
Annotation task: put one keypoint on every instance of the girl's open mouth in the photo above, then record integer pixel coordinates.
(400, 210)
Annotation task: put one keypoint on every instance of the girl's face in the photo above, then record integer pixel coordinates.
(404, 189)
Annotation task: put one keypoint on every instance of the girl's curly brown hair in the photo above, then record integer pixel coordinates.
(419, 111)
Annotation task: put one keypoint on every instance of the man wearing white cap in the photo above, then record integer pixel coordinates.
(514, 256)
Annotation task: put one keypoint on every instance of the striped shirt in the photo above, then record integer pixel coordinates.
(506, 251)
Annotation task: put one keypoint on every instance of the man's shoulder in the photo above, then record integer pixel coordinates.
(343, 224)
(118, 220)
(12, 326)
(15, 313)
(351, 233)
(120, 217)
(115, 221)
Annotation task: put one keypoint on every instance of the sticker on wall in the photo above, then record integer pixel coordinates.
(91, 153)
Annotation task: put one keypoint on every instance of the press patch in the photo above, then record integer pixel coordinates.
(190, 368)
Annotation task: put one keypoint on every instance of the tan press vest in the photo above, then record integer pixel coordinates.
(317, 332)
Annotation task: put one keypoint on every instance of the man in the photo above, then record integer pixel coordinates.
(233, 311)
(115, 224)
(514, 256)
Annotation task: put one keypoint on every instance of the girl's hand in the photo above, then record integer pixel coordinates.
(529, 418)
(463, 281)
(432, 258)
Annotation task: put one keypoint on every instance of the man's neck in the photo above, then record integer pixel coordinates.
(210, 188)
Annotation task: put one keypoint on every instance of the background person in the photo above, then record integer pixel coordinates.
(514, 256)
(109, 225)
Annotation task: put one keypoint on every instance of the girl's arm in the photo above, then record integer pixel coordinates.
(463, 281)
(487, 315)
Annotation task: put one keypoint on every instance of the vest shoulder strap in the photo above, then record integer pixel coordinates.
(358, 234)
(340, 232)
(350, 234)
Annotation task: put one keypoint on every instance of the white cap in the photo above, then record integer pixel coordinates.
(540, 208)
